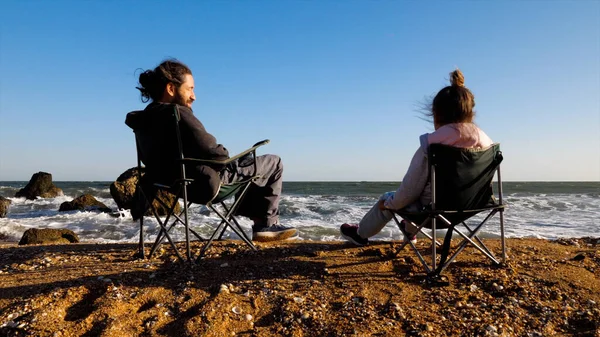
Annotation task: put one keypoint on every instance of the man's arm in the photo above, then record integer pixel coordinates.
(197, 142)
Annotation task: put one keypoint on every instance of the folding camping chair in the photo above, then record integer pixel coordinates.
(149, 185)
(461, 187)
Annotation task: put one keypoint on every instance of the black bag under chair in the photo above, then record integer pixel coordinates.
(194, 181)
(461, 187)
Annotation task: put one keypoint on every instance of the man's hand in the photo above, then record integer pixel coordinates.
(381, 205)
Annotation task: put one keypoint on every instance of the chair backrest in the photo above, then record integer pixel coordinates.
(462, 178)
(159, 146)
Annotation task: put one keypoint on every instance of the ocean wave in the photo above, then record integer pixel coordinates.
(317, 216)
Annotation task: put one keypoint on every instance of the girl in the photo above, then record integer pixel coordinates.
(453, 114)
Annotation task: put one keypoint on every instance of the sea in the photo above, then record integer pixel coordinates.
(548, 210)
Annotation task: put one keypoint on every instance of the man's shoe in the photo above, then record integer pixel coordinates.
(350, 233)
(275, 232)
(407, 236)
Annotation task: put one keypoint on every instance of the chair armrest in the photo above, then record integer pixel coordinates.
(261, 143)
(229, 160)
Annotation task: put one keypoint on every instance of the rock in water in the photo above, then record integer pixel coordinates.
(34, 236)
(40, 185)
(85, 202)
(4, 203)
(123, 191)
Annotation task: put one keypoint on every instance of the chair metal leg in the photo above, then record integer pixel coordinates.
(163, 230)
(243, 235)
(437, 243)
(161, 237)
(434, 219)
(142, 201)
(434, 237)
(186, 223)
(501, 196)
(468, 239)
(502, 240)
(224, 227)
(229, 217)
(412, 245)
(471, 238)
(209, 242)
(421, 258)
(237, 231)
(178, 219)
(474, 236)
(461, 248)
(232, 218)
(224, 223)
(198, 236)
(166, 233)
(141, 244)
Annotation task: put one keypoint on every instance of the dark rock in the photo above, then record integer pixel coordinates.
(124, 189)
(34, 236)
(4, 203)
(84, 202)
(40, 185)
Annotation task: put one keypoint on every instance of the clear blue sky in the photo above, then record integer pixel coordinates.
(336, 85)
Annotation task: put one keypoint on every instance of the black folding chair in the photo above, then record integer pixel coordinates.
(209, 192)
(461, 187)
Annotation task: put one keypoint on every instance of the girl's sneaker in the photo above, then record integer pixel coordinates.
(350, 233)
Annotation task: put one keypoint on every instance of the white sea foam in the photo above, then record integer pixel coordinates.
(317, 217)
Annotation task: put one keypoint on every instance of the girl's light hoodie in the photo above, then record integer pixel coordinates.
(414, 191)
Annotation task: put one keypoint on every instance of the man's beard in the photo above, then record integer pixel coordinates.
(179, 99)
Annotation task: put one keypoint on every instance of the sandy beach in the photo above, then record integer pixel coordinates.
(548, 288)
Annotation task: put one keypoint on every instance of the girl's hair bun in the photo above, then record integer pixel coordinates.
(457, 79)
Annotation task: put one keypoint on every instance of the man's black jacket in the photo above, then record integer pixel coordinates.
(157, 142)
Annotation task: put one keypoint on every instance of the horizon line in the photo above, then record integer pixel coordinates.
(346, 181)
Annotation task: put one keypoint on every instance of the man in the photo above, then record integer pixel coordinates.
(172, 83)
